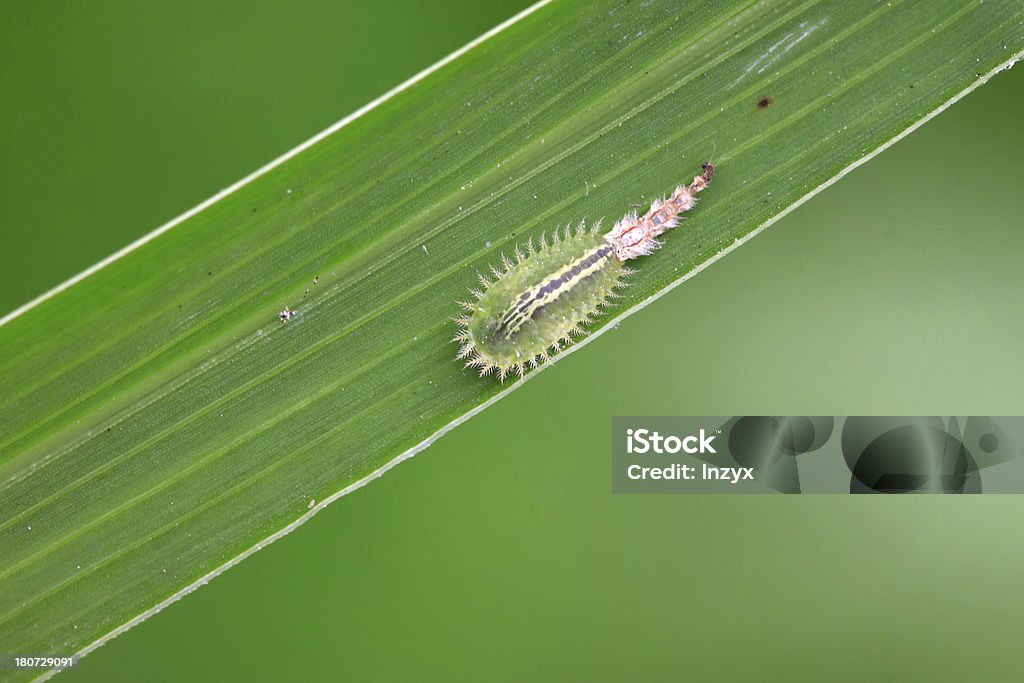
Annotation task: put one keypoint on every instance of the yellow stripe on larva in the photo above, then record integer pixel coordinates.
(556, 285)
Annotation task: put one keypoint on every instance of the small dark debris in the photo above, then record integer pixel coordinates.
(764, 103)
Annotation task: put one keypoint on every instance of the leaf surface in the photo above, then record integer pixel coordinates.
(158, 421)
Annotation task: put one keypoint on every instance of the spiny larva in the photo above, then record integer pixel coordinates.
(537, 303)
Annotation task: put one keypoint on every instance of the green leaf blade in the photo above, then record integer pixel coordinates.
(158, 421)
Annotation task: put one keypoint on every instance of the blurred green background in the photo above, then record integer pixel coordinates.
(499, 553)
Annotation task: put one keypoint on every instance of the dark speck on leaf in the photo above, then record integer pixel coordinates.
(764, 103)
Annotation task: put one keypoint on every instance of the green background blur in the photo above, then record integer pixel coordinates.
(499, 553)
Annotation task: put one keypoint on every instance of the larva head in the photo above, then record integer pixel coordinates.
(701, 182)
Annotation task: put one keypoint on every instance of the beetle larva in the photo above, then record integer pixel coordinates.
(538, 302)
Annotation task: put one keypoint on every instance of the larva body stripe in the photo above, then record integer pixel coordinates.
(540, 301)
(558, 283)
